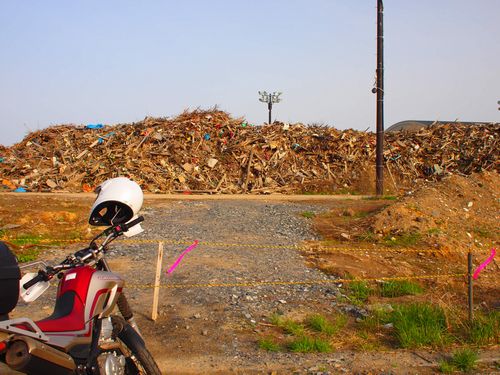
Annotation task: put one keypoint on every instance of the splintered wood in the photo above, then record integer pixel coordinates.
(208, 151)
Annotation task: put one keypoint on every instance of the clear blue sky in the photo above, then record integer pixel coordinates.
(119, 61)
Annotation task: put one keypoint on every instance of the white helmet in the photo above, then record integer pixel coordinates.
(118, 201)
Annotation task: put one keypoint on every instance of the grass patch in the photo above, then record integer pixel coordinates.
(436, 231)
(403, 240)
(383, 197)
(306, 344)
(463, 360)
(288, 325)
(317, 193)
(362, 214)
(308, 214)
(398, 288)
(269, 344)
(482, 232)
(360, 290)
(485, 329)
(376, 319)
(368, 236)
(347, 191)
(420, 324)
(321, 324)
(26, 239)
(29, 255)
(446, 367)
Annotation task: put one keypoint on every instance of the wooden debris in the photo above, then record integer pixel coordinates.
(208, 151)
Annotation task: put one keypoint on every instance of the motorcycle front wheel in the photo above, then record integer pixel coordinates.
(138, 359)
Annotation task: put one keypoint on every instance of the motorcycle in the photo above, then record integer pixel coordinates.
(82, 336)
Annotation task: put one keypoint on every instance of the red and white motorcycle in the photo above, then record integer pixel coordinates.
(82, 336)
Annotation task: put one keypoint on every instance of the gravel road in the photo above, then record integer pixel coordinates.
(216, 328)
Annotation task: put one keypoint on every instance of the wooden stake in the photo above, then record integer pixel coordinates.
(249, 165)
(220, 182)
(156, 292)
(392, 178)
(470, 297)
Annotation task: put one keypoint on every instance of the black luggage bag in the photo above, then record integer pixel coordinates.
(9, 281)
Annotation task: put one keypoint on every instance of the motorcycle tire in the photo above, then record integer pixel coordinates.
(139, 360)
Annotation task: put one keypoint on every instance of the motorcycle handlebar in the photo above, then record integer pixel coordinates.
(129, 225)
(118, 230)
(33, 281)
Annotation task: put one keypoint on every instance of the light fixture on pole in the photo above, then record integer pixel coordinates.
(269, 99)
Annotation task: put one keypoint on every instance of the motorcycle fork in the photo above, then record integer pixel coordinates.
(122, 302)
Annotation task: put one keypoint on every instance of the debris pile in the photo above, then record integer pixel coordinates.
(456, 212)
(208, 151)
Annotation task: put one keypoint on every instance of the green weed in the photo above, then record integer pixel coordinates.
(360, 290)
(347, 191)
(289, 326)
(482, 232)
(463, 360)
(321, 324)
(317, 193)
(403, 240)
(376, 319)
(485, 329)
(362, 214)
(308, 214)
(268, 344)
(27, 255)
(432, 231)
(446, 367)
(306, 344)
(397, 288)
(383, 197)
(368, 236)
(26, 239)
(419, 324)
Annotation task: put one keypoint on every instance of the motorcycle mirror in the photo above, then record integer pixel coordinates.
(32, 293)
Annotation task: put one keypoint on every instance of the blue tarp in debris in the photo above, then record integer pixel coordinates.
(95, 126)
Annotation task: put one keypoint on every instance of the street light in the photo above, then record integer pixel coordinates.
(269, 99)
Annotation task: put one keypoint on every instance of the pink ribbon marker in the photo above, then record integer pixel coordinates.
(484, 264)
(176, 263)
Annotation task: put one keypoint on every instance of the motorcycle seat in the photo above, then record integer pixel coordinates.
(68, 315)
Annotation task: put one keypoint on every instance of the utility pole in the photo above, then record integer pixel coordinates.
(379, 89)
(269, 99)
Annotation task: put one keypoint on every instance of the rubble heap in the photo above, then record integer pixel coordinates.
(208, 151)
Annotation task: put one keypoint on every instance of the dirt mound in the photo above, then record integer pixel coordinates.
(455, 212)
(211, 151)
